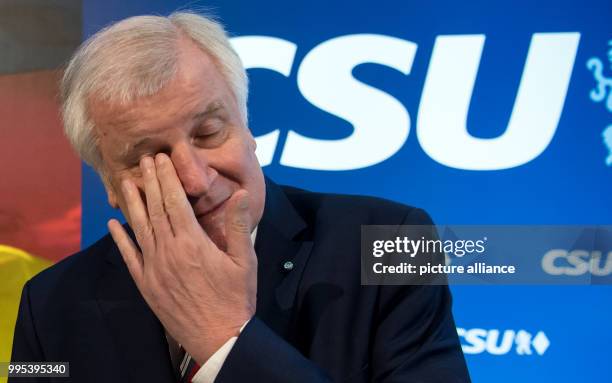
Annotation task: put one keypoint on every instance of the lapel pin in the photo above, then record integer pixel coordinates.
(288, 266)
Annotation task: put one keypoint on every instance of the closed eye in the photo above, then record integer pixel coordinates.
(213, 134)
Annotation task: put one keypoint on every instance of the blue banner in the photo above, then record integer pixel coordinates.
(479, 112)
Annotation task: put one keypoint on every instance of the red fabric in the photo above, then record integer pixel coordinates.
(192, 371)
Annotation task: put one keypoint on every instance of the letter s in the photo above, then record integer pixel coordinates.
(580, 260)
(381, 123)
(475, 339)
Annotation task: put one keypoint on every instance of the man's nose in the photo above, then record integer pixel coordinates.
(193, 171)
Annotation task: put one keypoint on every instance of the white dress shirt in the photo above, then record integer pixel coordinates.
(210, 369)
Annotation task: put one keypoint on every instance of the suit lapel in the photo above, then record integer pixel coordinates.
(282, 251)
(138, 335)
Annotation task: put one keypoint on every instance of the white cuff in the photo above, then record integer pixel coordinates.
(210, 369)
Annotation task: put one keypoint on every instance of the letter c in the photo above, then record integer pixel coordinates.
(548, 262)
(266, 53)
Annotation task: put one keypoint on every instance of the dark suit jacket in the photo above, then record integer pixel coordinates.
(314, 323)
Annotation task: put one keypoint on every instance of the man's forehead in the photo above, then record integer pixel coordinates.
(132, 121)
(196, 84)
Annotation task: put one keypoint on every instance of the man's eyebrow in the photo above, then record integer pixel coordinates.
(210, 108)
(140, 143)
(132, 151)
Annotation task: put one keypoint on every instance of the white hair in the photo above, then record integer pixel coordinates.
(137, 57)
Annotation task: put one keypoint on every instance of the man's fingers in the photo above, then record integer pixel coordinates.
(155, 203)
(131, 256)
(138, 217)
(175, 200)
(238, 225)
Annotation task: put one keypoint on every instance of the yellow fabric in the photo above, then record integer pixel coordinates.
(16, 267)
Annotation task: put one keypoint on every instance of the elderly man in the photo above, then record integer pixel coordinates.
(221, 274)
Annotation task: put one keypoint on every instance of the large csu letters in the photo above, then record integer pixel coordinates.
(381, 124)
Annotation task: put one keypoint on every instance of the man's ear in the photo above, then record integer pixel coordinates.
(111, 194)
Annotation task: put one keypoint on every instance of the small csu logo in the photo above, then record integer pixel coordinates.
(601, 92)
(577, 262)
(479, 340)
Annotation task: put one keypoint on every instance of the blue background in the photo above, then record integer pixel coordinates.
(567, 184)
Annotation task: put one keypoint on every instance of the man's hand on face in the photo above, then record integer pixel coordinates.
(201, 294)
